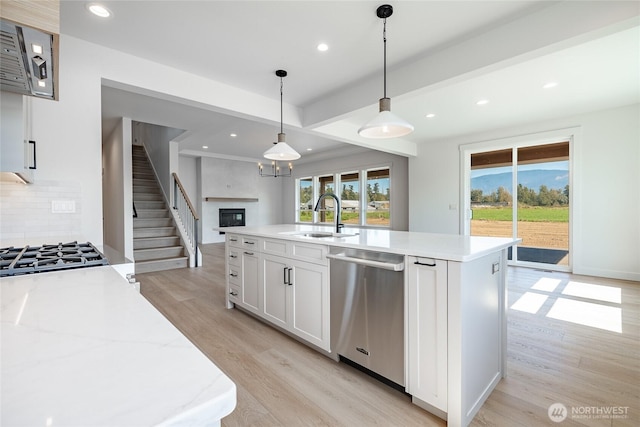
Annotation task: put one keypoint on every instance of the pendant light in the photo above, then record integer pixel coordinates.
(385, 124)
(281, 151)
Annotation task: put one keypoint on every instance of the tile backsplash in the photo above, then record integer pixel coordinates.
(44, 209)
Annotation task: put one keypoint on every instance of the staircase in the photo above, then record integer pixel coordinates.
(156, 243)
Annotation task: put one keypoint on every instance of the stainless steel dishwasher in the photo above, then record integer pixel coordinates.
(367, 311)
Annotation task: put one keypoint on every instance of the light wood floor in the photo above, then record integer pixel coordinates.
(281, 382)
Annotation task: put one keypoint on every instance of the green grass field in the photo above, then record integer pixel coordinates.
(533, 214)
(348, 217)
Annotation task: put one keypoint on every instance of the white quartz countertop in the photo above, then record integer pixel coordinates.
(84, 348)
(452, 247)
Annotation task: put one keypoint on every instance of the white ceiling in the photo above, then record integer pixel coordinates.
(443, 56)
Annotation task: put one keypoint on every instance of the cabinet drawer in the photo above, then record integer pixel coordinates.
(250, 242)
(276, 247)
(234, 257)
(234, 240)
(234, 294)
(311, 253)
(235, 276)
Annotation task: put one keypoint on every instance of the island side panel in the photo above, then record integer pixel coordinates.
(477, 333)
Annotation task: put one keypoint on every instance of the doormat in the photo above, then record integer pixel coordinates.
(540, 255)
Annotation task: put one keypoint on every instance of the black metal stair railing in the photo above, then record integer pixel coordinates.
(186, 214)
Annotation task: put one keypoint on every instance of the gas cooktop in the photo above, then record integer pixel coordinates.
(37, 259)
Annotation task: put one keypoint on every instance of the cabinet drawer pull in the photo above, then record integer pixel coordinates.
(425, 264)
(249, 243)
(248, 253)
(233, 256)
(289, 281)
(231, 239)
(233, 274)
(233, 293)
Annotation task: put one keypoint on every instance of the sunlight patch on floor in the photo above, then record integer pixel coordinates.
(546, 284)
(530, 302)
(595, 292)
(588, 314)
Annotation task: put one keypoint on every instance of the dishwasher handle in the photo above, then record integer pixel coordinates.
(370, 263)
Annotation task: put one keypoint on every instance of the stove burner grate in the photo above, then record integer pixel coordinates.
(35, 259)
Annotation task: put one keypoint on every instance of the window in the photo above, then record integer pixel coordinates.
(350, 198)
(357, 207)
(378, 197)
(326, 185)
(305, 200)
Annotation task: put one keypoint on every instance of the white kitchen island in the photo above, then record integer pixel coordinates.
(454, 311)
(82, 347)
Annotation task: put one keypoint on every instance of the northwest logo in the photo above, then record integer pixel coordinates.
(557, 412)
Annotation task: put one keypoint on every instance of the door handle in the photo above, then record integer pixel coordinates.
(34, 155)
(286, 275)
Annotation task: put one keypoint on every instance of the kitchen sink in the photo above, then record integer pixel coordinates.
(320, 234)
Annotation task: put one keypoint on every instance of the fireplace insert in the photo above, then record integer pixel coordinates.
(230, 218)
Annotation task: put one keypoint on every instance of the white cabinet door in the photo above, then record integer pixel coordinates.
(310, 303)
(277, 275)
(427, 331)
(250, 287)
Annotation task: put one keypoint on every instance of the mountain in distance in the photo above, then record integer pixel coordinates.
(533, 179)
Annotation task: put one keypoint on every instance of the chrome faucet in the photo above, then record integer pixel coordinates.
(336, 209)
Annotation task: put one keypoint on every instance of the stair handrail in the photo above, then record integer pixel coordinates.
(186, 213)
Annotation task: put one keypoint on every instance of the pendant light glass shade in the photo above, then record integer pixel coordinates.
(385, 124)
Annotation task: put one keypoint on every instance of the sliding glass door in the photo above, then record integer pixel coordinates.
(523, 191)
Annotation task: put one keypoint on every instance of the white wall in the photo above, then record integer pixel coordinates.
(188, 174)
(236, 179)
(605, 224)
(117, 191)
(348, 161)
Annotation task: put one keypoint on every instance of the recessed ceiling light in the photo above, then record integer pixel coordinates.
(430, 116)
(482, 102)
(233, 135)
(309, 149)
(323, 47)
(99, 10)
(549, 85)
(205, 146)
(36, 48)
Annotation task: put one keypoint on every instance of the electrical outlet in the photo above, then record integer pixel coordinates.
(63, 206)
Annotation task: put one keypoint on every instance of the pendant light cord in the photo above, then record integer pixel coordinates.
(384, 41)
(281, 84)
